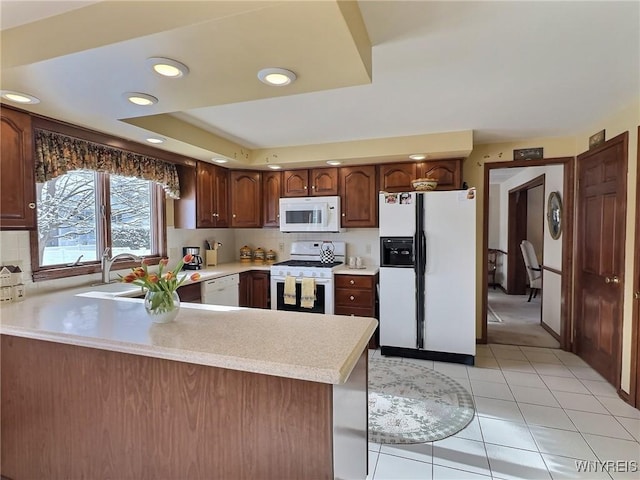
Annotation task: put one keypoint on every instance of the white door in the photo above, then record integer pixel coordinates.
(396, 214)
(397, 307)
(450, 283)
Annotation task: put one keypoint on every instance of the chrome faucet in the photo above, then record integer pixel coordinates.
(107, 262)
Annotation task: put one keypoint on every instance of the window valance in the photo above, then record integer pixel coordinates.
(56, 154)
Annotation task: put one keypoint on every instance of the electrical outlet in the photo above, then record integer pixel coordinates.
(281, 247)
(368, 248)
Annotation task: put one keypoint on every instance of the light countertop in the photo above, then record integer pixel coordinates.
(345, 270)
(272, 342)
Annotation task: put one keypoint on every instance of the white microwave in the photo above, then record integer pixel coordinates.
(310, 214)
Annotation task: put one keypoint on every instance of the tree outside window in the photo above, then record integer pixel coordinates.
(83, 212)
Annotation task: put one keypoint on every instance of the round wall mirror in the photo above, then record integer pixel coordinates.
(554, 215)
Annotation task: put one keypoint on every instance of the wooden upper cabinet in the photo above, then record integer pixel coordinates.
(324, 181)
(271, 192)
(295, 183)
(204, 202)
(448, 173)
(313, 182)
(246, 198)
(358, 194)
(397, 177)
(17, 177)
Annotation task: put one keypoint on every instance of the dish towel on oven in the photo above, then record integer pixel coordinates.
(308, 293)
(289, 293)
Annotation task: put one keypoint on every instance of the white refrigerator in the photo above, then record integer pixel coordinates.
(428, 275)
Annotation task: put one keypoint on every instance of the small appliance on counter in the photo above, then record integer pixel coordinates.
(196, 262)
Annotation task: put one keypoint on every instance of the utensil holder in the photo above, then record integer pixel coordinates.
(211, 258)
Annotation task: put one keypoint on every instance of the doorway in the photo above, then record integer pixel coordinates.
(511, 276)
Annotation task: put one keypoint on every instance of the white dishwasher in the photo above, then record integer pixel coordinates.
(221, 291)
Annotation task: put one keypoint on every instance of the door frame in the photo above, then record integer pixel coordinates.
(516, 232)
(634, 391)
(566, 319)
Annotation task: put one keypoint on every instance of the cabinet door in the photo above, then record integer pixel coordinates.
(259, 292)
(448, 173)
(245, 198)
(205, 200)
(221, 197)
(271, 192)
(358, 196)
(324, 181)
(243, 292)
(190, 293)
(295, 183)
(17, 180)
(397, 177)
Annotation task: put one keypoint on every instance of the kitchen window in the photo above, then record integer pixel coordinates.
(82, 212)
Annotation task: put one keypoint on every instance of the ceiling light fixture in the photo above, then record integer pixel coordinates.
(19, 97)
(274, 167)
(155, 140)
(167, 67)
(334, 162)
(142, 99)
(220, 160)
(417, 156)
(277, 77)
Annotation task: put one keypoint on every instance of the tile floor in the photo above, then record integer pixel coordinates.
(538, 410)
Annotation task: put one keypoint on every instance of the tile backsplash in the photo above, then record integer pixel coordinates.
(362, 242)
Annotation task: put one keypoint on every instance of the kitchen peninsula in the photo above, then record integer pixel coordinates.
(92, 389)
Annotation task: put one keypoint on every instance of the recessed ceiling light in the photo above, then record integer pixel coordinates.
(220, 160)
(19, 97)
(167, 67)
(334, 162)
(277, 77)
(274, 167)
(155, 140)
(417, 156)
(138, 98)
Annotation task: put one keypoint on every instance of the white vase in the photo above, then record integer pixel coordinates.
(162, 307)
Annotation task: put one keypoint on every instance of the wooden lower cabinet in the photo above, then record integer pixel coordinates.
(356, 295)
(79, 412)
(255, 289)
(191, 293)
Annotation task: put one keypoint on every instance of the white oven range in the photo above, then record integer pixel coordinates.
(305, 262)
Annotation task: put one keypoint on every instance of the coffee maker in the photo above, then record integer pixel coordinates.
(196, 262)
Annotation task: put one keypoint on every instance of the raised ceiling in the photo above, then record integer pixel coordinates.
(376, 80)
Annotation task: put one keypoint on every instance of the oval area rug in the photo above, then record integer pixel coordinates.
(410, 403)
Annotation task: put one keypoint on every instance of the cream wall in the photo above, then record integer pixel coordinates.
(535, 214)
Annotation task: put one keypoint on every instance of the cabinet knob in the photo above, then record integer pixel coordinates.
(313, 187)
(234, 215)
(32, 205)
(344, 214)
(614, 280)
(351, 282)
(352, 298)
(305, 187)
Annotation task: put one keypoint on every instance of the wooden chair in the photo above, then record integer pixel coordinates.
(492, 266)
(533, 268)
